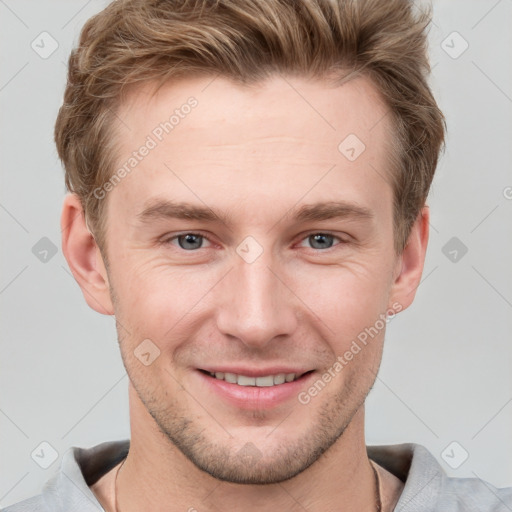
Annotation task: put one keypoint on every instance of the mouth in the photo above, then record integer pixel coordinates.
(250, 388)
(261, 381)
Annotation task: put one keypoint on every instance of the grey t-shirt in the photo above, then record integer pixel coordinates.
(427, 487)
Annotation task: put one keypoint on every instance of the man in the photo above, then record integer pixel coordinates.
(247, 196)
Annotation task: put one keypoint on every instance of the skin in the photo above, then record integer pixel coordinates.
(254, 154)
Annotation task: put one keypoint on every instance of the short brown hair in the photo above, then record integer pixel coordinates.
(138, 41)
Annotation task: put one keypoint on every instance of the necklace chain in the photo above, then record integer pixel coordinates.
(377, 487)
(375, 473)
(115, 486)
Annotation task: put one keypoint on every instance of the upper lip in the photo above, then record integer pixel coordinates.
(255, 372)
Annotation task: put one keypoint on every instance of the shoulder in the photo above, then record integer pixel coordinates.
(70, 489)
(34, 504)
(473, 494)
(428, 488)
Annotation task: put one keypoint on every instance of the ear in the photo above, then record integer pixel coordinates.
(409, 266)
(84, 257)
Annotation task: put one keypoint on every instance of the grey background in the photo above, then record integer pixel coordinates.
(447, 368)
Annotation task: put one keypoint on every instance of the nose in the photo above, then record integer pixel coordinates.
(257, 304)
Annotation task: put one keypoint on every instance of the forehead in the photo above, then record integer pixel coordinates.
(227, 144)
(279, 106)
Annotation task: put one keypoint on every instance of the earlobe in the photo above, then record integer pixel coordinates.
(411, 261)
(84, 257)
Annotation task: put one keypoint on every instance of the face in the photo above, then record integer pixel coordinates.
(248, 252)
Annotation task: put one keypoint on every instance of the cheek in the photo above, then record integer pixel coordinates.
(342, 298)
(153, 296)
(351, 308)
(347, 297)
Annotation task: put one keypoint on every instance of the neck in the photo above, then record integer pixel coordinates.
(157, 476)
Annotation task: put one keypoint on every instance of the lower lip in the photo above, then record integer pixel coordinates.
(254, 397)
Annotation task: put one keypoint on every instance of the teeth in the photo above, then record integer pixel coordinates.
(264, 381)
(242, 380)
(279, 379)
(261, 382)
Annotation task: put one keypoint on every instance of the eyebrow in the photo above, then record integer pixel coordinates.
(158, 209)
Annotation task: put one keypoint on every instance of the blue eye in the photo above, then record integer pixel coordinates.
(321, 240)
(189, 241)
(194, 241)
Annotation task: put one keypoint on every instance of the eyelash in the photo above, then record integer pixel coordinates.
(168, 241)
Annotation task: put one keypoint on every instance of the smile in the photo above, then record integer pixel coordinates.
(263, 381)
(250, 389)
